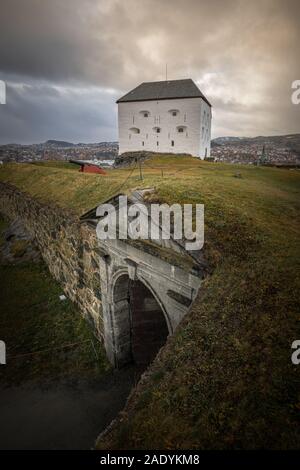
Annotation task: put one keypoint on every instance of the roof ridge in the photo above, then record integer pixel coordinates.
(164, 89)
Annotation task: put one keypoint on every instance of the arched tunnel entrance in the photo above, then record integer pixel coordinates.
(140, 325)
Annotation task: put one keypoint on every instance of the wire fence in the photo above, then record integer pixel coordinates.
(131, 170)
(58, 348)
(161, 169)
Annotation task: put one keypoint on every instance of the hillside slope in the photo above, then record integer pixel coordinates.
(225, 379)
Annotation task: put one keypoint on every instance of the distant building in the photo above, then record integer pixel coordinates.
(169, 116)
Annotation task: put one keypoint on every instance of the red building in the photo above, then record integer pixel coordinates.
(89, 167)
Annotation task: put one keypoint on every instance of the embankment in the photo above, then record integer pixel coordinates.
(66, 246)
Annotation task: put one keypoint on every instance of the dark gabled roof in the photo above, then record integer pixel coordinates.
(165, 90)
(83, 162)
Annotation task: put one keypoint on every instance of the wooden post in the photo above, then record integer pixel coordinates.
(141, 174)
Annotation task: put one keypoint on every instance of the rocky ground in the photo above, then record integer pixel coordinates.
(18, 245)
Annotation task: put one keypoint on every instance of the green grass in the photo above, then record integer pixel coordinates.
(57, 164)
(33, 319)
(225, 379)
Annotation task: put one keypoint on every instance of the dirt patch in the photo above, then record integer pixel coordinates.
(17, 245)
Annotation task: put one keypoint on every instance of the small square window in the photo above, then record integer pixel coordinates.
(174, 113)
(146, 115)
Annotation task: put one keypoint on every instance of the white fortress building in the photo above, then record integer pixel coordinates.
(171, 116)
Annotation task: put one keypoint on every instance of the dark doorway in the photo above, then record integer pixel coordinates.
(148, 325)
(140, 325)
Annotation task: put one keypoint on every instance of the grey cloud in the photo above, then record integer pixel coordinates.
(35, 113)
(243, 54)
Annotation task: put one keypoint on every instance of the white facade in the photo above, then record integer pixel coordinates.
(180, 125)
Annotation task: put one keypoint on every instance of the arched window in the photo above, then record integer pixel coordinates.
(134, 130)
(181, 129)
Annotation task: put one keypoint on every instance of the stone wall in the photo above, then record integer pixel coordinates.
(89, 271)
(68, 248)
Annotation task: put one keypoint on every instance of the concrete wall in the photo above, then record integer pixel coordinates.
(205, 131)
(193, 114)
(173, 288)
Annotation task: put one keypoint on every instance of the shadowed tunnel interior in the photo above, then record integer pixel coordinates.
(141, 324)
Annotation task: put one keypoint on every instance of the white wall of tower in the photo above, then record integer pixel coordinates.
(137, 132)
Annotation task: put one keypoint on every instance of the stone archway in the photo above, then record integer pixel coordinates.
(140, 326)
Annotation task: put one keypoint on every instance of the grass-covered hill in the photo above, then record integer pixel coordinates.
(225, 378)
(47, 339)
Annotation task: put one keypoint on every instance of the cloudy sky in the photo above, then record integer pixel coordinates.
(65, 62)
